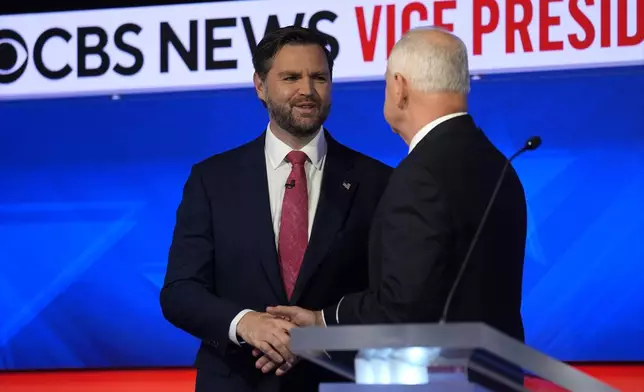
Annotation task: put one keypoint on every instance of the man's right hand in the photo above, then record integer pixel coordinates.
(269, 334)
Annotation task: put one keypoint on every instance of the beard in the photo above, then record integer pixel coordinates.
(302, 124)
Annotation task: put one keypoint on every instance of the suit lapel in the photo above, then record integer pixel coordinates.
(253, 195)
(336, 194)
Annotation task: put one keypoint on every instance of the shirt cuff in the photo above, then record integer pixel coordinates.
(337, 311)
(232, 331)
(330, 314)
(323, 319)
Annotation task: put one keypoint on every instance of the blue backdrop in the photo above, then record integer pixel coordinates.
(90, 187)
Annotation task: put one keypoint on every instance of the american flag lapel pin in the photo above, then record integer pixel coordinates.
(346, 185)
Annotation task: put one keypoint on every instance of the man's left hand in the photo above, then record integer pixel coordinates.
(265, 364)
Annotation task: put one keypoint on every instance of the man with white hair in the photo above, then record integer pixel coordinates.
(434, 202)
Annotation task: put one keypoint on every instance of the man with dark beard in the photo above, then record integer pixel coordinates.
(283, 220)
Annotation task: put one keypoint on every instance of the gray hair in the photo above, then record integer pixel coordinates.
(432, 60)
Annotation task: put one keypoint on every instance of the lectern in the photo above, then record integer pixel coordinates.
(433, 357)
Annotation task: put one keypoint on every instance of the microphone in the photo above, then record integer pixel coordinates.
(290, 185)
(531, 144)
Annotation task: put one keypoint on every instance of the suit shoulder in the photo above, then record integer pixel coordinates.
(226, 158)
(368, 164)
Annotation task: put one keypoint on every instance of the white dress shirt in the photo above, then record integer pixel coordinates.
(420, 135)
(278, 170)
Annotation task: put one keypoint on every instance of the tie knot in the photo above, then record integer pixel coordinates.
(296, 157)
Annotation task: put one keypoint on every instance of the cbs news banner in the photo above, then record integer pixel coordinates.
(205, 46)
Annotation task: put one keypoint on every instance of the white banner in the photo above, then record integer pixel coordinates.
(201, 46)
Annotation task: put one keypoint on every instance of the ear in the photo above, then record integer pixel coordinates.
(401, 90)
(259, 86)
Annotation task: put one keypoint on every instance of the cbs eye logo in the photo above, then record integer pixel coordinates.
(13, 56)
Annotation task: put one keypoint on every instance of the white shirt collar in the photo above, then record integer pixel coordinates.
(276, 150)
(427, 128)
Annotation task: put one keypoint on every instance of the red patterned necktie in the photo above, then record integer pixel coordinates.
(294, 226)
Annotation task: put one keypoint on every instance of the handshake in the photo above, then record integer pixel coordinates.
(268, 333)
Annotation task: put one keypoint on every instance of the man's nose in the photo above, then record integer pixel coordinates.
(305, 86)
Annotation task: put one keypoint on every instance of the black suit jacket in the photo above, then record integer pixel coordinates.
(223, 257)
(422, 230)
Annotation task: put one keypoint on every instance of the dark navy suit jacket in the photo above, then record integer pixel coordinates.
(223, 257)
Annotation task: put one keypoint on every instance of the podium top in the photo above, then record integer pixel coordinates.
(446, 337)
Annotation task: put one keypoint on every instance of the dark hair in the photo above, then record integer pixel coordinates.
(272, 42)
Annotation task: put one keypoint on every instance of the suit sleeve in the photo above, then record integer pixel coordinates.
(188, 297)
(415, 231)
